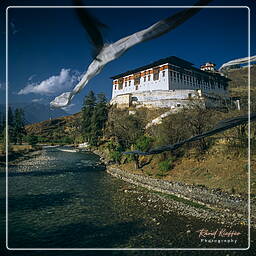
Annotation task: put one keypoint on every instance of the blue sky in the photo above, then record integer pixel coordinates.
(49, 50)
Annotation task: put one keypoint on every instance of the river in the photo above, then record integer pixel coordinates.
(66, 200)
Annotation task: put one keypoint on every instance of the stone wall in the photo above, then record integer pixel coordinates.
(157, 98)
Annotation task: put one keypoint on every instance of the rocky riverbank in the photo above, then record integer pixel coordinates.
(191, 200)
(188, 200)
(15, 157)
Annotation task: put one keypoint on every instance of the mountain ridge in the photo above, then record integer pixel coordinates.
(35, 112)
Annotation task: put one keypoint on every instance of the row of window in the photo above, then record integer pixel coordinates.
(195, 82)
(137, 80)
(182, 71)
(174, 76)
(192, 78)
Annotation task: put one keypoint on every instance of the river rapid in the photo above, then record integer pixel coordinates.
(62, 199)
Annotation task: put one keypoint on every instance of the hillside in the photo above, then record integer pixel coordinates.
(35, 112)
(239, 77)
(238, 86)
(58, 129)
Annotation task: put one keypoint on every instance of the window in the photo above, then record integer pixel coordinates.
(120, 83)
(156, 73)
(115, 86)
(129, 83)
(137, 79)
(144, 78)
(156, 76)
(149, 78)
(125, 84)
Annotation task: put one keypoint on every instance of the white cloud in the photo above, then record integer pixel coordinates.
(54, 84)
(37, 100)
(31, 77)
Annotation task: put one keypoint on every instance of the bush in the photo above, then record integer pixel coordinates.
(67, 140)
(143, 143)
(32, 140)
(165, 166)
(116, 156)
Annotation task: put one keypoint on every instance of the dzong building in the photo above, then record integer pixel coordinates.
(170, 82)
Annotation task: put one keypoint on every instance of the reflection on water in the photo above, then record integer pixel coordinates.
(64, 200)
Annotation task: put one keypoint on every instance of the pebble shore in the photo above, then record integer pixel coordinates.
(216, 205)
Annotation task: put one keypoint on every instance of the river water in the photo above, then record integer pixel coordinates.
(66, 200)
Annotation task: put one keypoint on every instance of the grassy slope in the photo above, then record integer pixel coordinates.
(239, 84)
(57, 127)
(239, 77)
(213, 170)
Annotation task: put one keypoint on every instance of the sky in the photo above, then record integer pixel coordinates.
(48, 49)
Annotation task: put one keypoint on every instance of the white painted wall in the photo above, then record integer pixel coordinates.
(167, 88)
(145, 84)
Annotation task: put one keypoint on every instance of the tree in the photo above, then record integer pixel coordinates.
(19, 126)
(87, 113)
(199, 119)
(99, 118)
(5, 141)
(2, 125)
(11, 124)
(32, 140)
(124, 127)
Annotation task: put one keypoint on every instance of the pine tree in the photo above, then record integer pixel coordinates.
(19, 126)
(11, 125)
(99, 118)
(87, 113)
(1, 126)
(5, 141)
(10, 117)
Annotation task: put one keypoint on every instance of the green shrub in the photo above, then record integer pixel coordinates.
(164, 166)
(114, 146)
(143, 143)
(32, 140)
(67, 140)
(149, 173)
(116, 156)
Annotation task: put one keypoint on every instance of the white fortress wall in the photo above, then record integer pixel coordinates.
(164, 84)
(146, 82)
(157, 98)
(163, 95)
